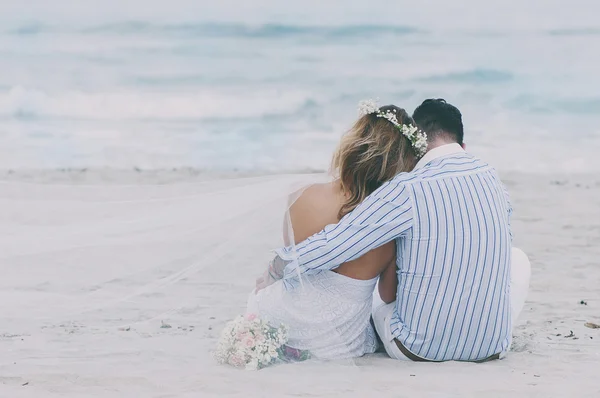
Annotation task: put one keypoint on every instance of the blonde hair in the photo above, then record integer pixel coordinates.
(372, 152)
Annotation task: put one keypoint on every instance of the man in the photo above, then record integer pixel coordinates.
(450, 219)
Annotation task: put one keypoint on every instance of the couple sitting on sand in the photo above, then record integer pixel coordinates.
(409, 246)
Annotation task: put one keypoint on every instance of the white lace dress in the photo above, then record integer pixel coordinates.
(329, 315)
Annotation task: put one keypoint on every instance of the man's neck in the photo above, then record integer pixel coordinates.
(437, 143)
(438, 149)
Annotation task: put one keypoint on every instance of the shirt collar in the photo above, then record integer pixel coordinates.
(438, 152)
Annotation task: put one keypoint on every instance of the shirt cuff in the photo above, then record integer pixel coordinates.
(291, 269)
(285, 253)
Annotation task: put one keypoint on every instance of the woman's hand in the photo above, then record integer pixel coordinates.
(263, 281)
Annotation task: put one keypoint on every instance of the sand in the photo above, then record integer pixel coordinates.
(108, 291)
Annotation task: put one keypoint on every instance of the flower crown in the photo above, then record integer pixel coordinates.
(417, 138)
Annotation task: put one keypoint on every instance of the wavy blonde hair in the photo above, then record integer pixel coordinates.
(372, 152)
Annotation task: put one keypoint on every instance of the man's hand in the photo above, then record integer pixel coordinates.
(272, 274)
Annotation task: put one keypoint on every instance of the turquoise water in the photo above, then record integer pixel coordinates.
(271, 86)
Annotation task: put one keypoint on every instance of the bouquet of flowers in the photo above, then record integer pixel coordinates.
(251, 343)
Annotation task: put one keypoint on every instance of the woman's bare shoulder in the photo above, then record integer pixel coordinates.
(317, 206)
(322, 195)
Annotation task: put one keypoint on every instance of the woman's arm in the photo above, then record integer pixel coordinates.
(388, 281)
(310, 211)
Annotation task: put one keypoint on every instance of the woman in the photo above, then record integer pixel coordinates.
(329, 313)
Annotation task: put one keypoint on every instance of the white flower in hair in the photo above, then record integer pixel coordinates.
(417, 138)
(367, 107)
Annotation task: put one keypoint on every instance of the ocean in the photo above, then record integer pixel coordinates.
(271, 85)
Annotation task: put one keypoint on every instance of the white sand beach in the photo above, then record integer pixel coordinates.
(116, 281)
(94, 305)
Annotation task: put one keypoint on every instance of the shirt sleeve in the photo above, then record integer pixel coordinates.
(508, 205)
(509, 210)
(380, 218)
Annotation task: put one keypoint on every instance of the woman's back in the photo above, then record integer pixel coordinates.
(328, 314)
(318, 206)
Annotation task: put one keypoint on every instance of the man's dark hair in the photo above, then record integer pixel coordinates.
(439, 119)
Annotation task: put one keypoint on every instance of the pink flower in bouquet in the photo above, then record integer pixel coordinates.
(251, 317)
(248, 341)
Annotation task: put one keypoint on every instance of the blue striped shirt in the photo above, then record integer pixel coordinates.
(450, 219)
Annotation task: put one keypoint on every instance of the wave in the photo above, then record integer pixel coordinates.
(30, 104)
(257, 31)
(539, 105)
(229, 30)
(267, 30)
(211, 105)
(575, 32)
(580, 106)
(478, 76)
(28, 29)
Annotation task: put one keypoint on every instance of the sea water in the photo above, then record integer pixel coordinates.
(271, 85)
